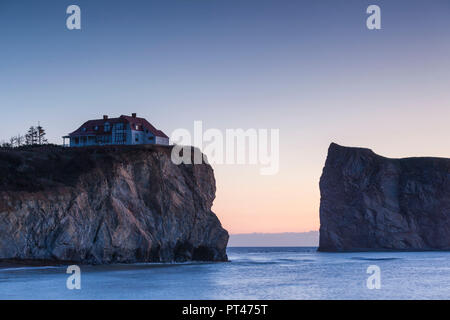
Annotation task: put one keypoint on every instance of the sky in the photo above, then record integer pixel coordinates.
(311, 69)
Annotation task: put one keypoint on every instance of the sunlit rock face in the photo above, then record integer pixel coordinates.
(369, 202)
(100, 205)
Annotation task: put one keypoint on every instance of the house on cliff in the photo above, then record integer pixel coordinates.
(124, 130)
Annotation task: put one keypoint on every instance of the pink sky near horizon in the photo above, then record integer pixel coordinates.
(247, 202)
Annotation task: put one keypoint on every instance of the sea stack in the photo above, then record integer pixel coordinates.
(372, 203)
(111, 204)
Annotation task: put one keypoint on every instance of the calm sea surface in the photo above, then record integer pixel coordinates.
(253, 273)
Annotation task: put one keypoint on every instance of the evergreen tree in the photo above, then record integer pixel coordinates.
(31, 137)
(41, 135)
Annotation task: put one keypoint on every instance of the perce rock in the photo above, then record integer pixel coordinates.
(96, 205)
(370, 203)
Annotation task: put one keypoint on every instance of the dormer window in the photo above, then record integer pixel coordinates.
(84, 129)
(96, 128)
(137, 127)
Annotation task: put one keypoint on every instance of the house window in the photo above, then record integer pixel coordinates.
(96, 128)
(107, 127)
(84, 129)
(103, 139)
(137, 127)
(136, 139)
(120, 135)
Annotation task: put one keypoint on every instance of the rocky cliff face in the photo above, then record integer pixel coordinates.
(369, 202)
(107, 205)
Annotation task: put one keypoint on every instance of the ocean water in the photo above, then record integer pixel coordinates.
(253, 273)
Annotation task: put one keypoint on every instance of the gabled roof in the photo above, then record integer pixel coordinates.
(88, 128)
(142, 124)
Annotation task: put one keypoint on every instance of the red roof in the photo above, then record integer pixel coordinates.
(97, 127)
(143, 124)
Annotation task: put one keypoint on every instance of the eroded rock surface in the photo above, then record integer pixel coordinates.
(369, 202)
(106, 205)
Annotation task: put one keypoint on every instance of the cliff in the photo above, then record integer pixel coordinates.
(369, 202)
(97, 205)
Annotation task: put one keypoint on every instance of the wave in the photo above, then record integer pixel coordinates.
(30, 268)
(374, 259)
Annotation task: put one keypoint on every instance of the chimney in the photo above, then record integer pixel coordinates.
(133, 115)
(105, 117)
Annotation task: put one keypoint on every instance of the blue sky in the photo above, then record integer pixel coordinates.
(310, 68)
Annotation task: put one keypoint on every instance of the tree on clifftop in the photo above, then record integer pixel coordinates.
(34, 136)
(41, 135)
(31, 137)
